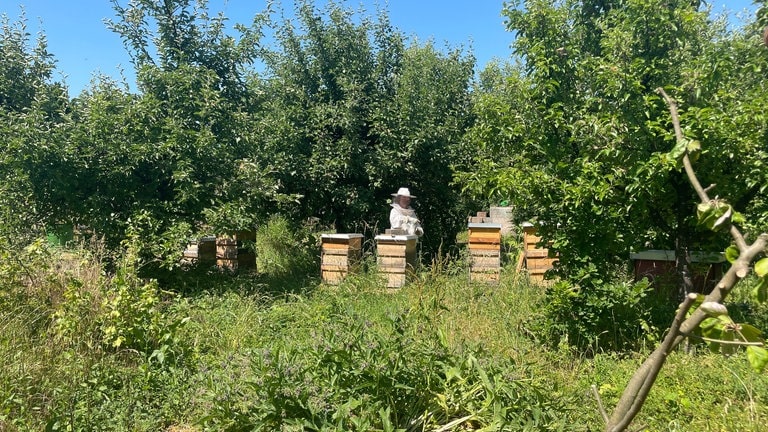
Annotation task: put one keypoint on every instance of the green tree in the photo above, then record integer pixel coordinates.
(33, 124)
(354, 112)
(587, 137)
(158, 165)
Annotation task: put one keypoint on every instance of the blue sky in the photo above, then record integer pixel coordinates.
(83, 46)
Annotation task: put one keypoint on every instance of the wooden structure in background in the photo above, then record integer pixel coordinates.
(202, 251)
(225, 251)
(484, 252)
(535, 260)
(339, 254)
(231, 252)
(655, 264)
(396, 257)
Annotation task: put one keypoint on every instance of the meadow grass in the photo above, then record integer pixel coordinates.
(239, 352)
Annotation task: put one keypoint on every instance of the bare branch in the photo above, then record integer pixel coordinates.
(600, 405)
(640, 384)
(679, 136)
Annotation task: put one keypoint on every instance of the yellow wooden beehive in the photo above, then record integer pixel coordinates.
(231, 253)
(537, 260)
(339, 255)
(396, 257)
(484, 252)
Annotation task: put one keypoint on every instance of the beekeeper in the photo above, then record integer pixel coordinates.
(403, 216)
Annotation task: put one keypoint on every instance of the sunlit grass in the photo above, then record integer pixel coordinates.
(215, 361)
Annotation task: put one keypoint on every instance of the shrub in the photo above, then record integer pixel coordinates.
(611, 316)
(284, 248)
(134, 316)
(358, 375)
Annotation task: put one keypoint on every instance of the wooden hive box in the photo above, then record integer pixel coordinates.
(484, 252)
(654, 264)
(536, 260)
(231, 253)
(339, 254)
(396, 257)
(201, 251)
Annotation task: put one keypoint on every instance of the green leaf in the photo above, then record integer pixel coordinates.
(758, 358)
(723, 218)
(727, 336)
(751, 333)
(731, 253)
(678, 150)
(711, 328)
(761, 267)
(760, 292)
(715, 214)
(693, 149)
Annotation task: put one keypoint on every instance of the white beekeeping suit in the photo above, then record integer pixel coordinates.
(402, 216)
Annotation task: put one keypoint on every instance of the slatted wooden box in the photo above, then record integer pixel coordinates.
(659, 265)
(484, 252)
(339, 255)
(231, 252)
(396, 257)
(201, 251)
(537, 260)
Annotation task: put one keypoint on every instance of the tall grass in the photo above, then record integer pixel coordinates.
(280, 351)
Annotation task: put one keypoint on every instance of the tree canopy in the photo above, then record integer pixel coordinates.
(577, 139)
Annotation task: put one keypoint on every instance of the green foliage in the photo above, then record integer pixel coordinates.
(396, 375)
(340, 358)
(32, 126)
(283, 248)
(717, 214)
(607, 317)
(354, 112)
(724, 335)
(574, 136)
(134, 318)
(209, 143)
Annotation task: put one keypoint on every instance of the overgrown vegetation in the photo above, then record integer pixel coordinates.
(108, 331)
(240, 355)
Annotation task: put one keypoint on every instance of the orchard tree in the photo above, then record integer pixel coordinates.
(158, 165)
(353, 112)
(33, 125)
(585, 134)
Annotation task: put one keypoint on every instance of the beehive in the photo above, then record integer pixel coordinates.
(231, 252)
(657, 265)
(339, 254)
(484, 252)
(536, 260)
(396, 257)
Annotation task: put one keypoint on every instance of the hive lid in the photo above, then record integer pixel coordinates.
(397, 237)
(484, 225)
(341, 236)
(669, 255)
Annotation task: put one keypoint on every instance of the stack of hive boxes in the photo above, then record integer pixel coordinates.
(396, 257)
(484, 249)
(227, 251)
(339, 254)
(232, 253)
(535, 259)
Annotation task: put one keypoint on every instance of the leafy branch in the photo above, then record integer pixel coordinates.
(716, 214)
